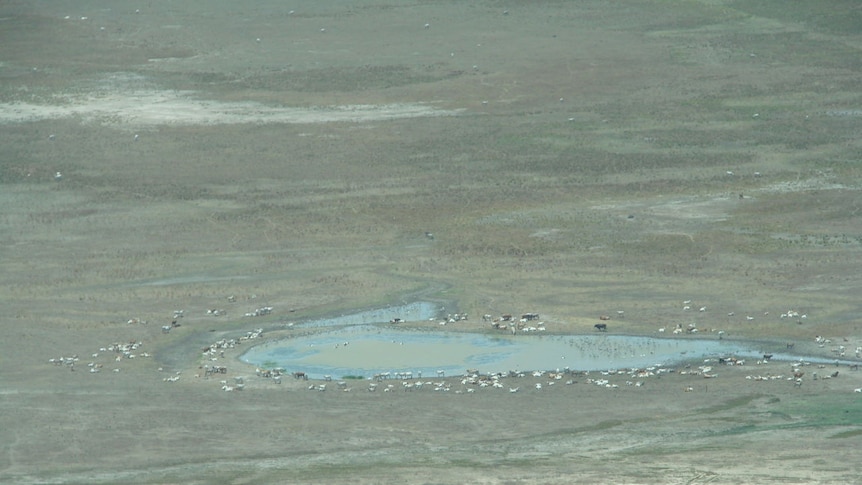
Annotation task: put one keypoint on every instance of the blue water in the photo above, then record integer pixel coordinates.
(411, 312)
(364, 344)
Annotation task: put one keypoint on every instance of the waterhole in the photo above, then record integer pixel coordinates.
(365, 344)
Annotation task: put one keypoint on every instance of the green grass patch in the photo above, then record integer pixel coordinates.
(847, 434)
(731, 404)
(804, 412)
(828, 410)
(833, 16)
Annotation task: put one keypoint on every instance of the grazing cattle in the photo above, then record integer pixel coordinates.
(300, 375)
(530, 316)
(214, 370)
(767, 356)
(604, 317)
(601, 327)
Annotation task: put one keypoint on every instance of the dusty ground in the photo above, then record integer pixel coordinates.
(574, 159)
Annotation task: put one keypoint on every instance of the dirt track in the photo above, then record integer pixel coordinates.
(569, 158)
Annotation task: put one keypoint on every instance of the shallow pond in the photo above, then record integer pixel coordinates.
(361, 346)
(411, 312)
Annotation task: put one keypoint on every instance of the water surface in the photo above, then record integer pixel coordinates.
(365, 344)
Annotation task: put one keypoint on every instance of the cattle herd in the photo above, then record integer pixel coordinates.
(214, 357)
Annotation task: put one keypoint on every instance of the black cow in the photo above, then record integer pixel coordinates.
(601, 327)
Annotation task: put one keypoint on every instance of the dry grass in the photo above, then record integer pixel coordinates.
(603, 159)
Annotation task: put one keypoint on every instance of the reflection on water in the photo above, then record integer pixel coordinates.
(360, 347)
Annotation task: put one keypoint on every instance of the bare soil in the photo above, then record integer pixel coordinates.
(575, 159)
